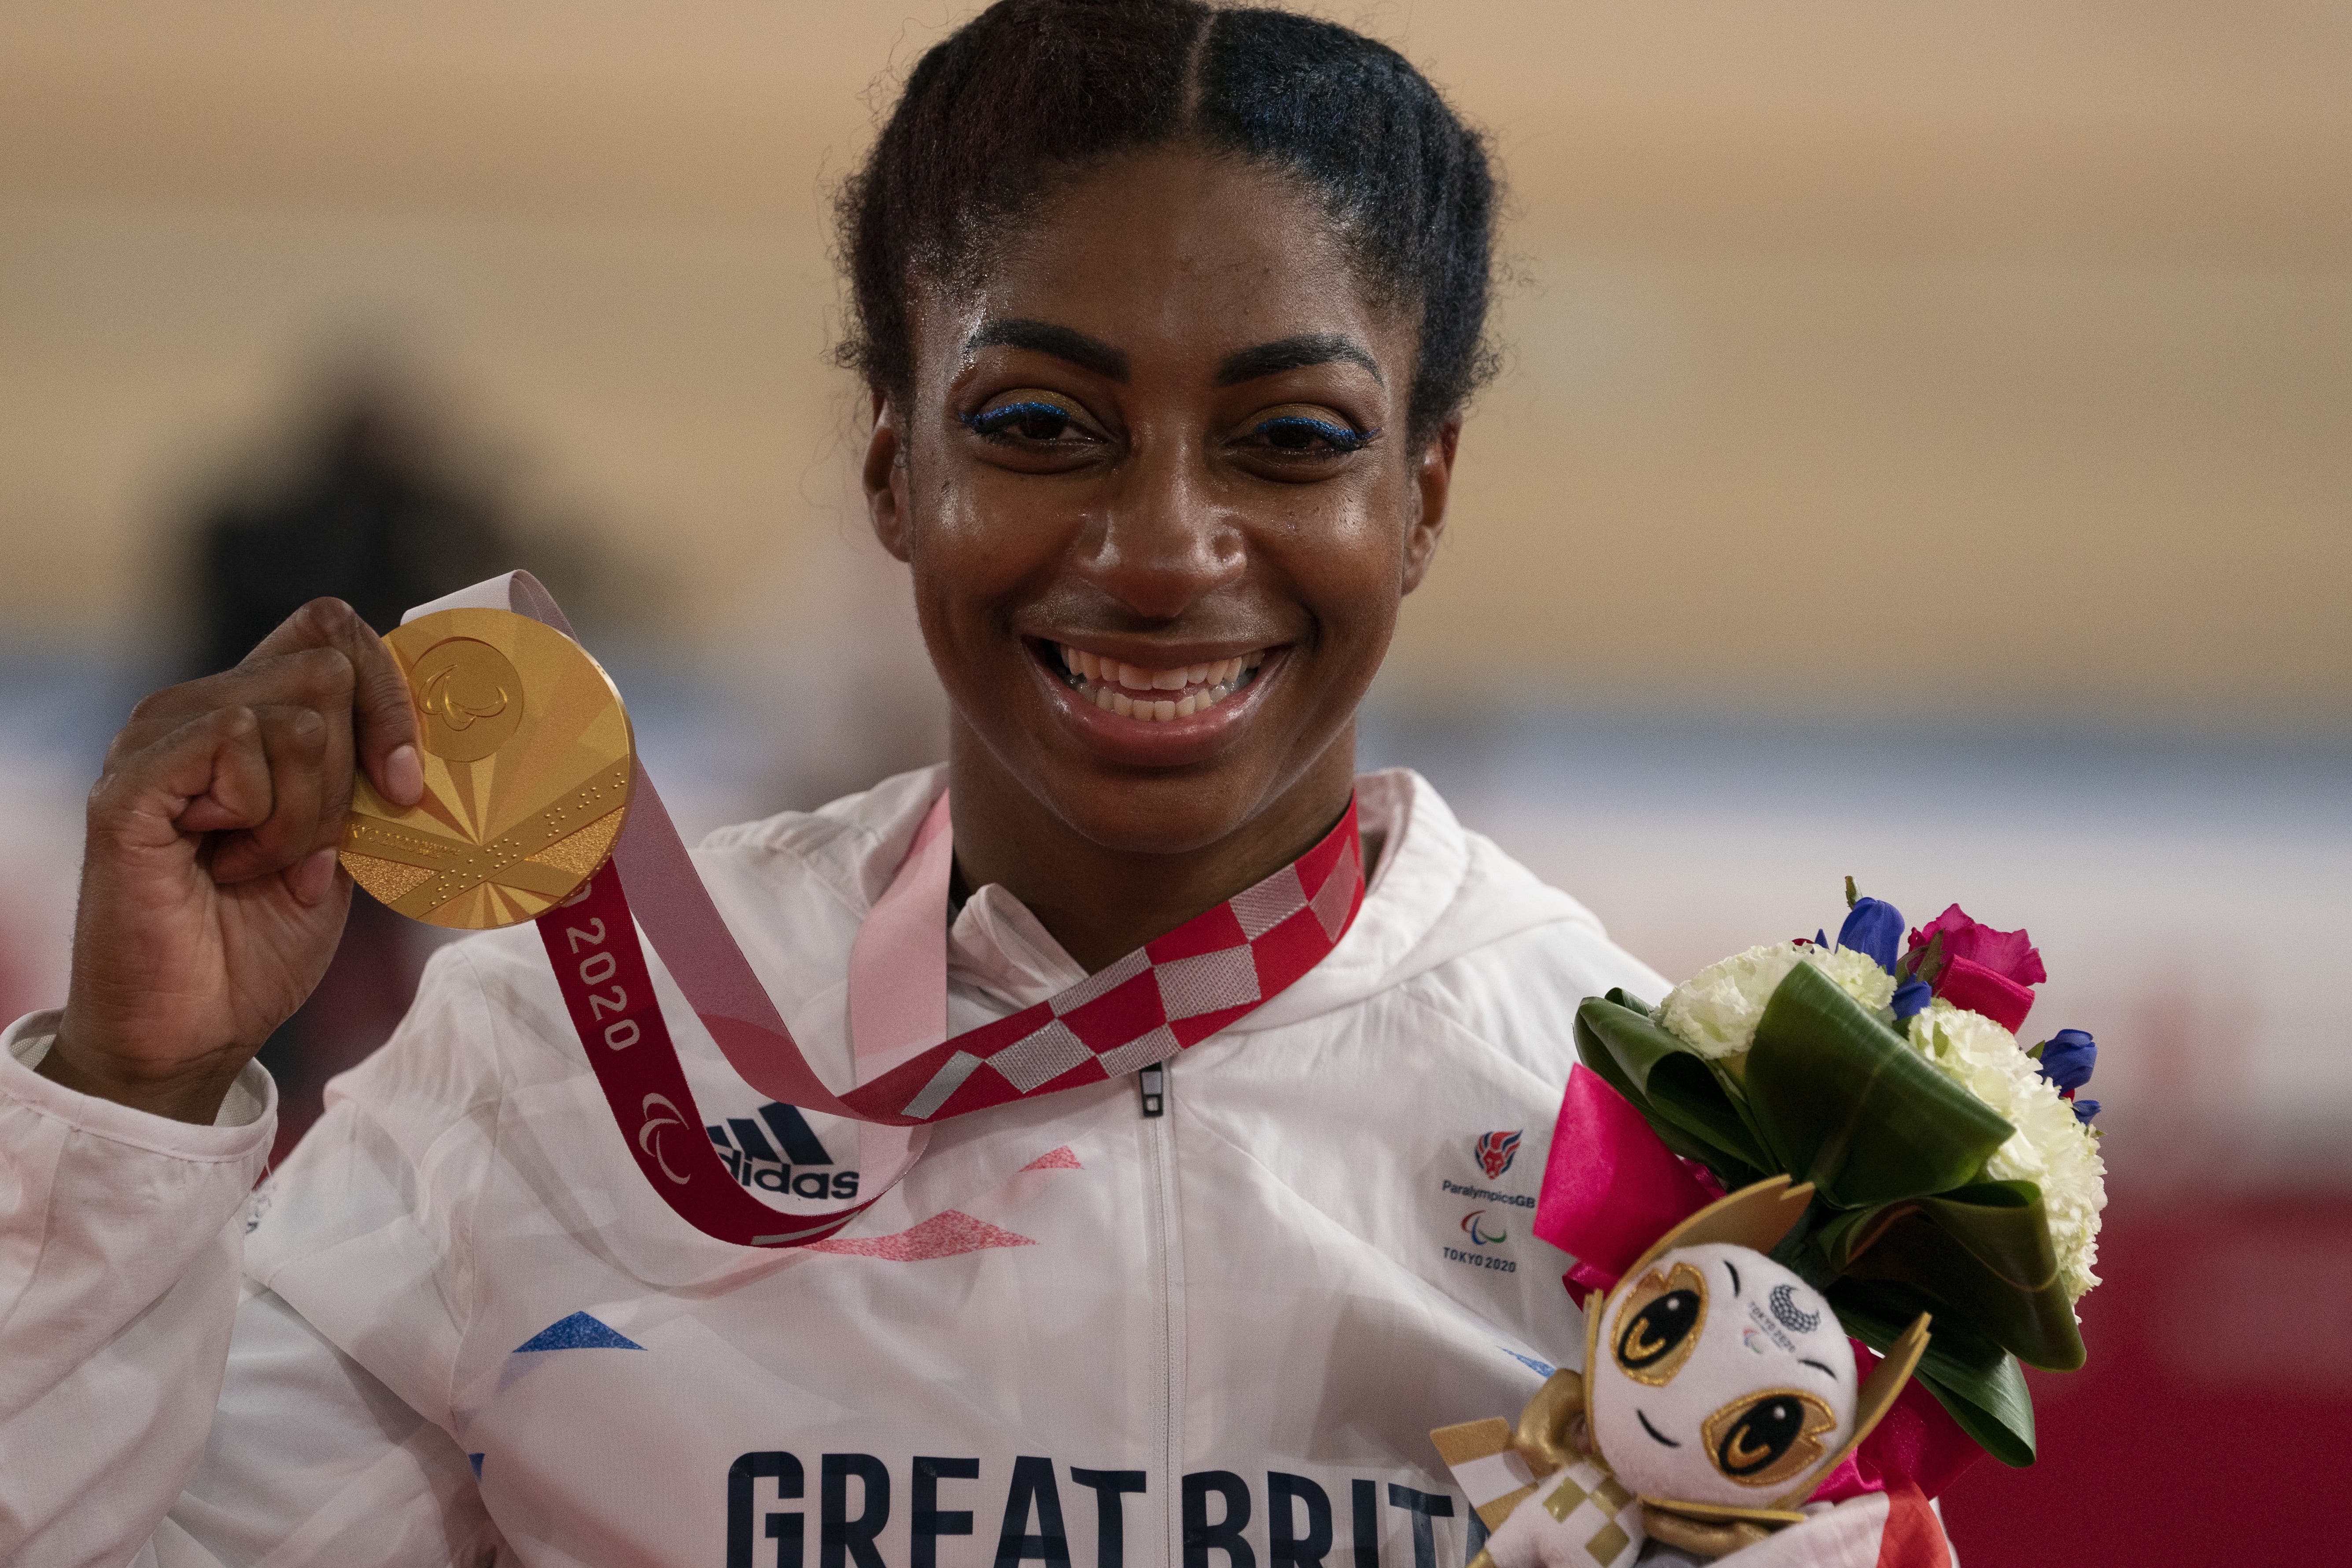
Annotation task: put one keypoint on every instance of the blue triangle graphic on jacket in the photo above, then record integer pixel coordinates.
(578, 1331)
(1541, 1368)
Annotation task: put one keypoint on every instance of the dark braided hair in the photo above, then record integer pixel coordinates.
(1030, 91)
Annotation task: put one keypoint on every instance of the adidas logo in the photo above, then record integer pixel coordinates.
(754, 1161)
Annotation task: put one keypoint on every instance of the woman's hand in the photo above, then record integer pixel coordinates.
(211, 900)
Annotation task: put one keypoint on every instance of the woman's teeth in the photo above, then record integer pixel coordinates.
(1158, 696)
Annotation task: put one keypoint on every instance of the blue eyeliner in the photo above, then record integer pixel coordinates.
(993, 422)
(1337, 436)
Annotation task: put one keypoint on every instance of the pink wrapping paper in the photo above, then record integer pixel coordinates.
(1610, 1187)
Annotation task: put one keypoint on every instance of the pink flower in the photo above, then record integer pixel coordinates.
(1984, 970)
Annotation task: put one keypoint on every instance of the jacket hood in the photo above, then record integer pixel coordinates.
(1438, 890)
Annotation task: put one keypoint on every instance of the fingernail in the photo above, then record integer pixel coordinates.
(404, 775)
(315, 876)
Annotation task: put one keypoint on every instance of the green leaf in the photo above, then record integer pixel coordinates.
(1600, 1061)
(1981, 1253)
(1847, 1104)
(1980, 1384)
(1597, 1056)
(1672, 1084)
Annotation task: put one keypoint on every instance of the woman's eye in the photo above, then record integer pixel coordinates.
(1025, 420)
(1302, 433)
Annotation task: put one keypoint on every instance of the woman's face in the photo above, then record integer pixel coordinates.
(1154, 484)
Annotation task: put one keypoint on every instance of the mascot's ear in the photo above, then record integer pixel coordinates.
(1876, 1398)
(1755, 1218)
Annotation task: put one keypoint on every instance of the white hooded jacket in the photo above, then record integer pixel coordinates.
(456, 1327)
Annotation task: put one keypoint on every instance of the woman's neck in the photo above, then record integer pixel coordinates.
(1101, 902)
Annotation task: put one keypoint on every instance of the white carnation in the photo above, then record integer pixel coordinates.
(1858, 975)
(2050, 1148)
(1715, 1012)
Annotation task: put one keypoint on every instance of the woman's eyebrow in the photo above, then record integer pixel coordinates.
(1293, 354)
(1046, 338)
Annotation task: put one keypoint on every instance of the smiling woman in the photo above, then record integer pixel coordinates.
(1167, 384)
(1167, 315)
(1186, 468)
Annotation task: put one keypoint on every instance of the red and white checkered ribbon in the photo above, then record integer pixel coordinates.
(1174, 991)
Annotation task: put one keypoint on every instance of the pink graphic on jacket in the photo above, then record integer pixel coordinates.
(950, 1232)
(943, 1234)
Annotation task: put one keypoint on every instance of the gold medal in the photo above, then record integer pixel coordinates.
(527, 764)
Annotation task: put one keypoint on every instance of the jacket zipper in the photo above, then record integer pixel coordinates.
(1160, 1160)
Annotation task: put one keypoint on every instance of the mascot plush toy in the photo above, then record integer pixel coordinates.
(1718, 1392)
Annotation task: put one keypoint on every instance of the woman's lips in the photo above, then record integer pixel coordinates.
(1199, 709)
(1155, 696)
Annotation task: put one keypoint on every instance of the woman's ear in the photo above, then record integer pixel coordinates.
(1433, 478)
(886, 495)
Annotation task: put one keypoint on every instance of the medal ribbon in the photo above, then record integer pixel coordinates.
(1173, 992)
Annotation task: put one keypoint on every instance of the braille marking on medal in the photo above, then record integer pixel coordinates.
(582, 852)
(469, 699)
(543, 861)
(367, 834)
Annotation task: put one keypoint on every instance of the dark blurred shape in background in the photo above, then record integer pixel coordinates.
(372, 514)
(374, 509)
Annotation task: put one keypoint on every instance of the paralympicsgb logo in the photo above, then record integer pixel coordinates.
(1496, 1152)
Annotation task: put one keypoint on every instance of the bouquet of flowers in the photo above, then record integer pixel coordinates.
(1955, 1171)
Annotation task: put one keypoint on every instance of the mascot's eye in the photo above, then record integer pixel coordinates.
(1653, 1332)
(1764, 1439)
(1657, 1327)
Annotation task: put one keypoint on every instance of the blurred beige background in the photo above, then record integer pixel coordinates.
(1904, 404)
(1996, 356)
(1926, 452)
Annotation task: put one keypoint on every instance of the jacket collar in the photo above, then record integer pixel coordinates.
(1437, 891)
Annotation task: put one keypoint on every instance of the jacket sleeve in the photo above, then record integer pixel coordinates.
(119, 1280)
(154, 1407)
(312, 1460)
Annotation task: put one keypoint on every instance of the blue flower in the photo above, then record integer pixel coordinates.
(1912, 997)
(2066, 1059)
(1874, 926)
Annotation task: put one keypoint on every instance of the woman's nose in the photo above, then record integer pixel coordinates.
(1163, 541)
